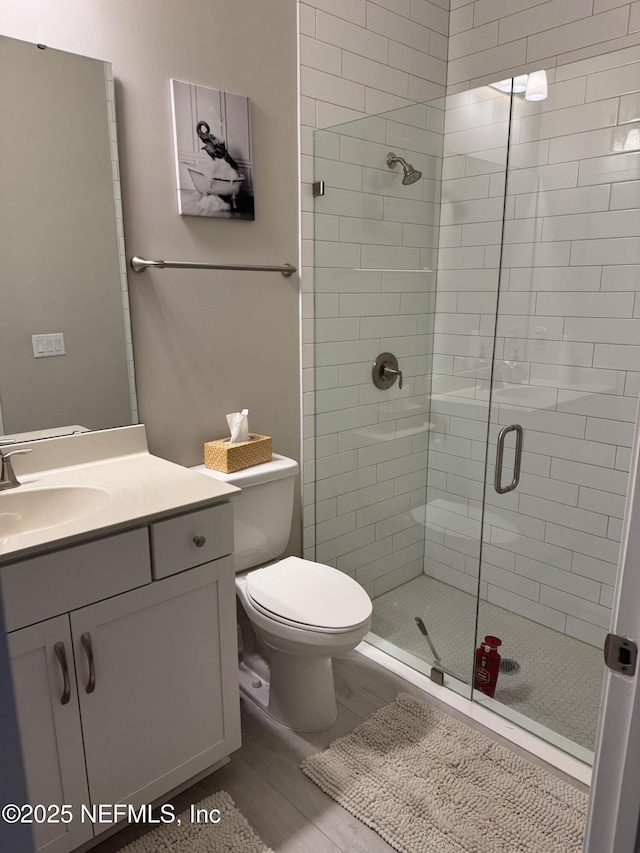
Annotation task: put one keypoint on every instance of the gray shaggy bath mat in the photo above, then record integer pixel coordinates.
(231, 835)
(428, 783)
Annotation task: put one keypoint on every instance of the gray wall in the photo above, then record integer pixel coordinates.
(205, 343)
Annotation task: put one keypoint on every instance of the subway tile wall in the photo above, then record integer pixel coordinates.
(361, 58)
(489, 39)
(376, 256)
(473, 185)
(567, 360)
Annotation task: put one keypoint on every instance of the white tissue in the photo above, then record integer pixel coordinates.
(238, 426)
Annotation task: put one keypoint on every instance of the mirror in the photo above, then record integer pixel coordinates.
(66, 361)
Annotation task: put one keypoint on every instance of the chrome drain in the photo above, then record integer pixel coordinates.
(508, 666)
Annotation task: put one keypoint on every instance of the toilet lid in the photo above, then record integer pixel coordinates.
(310, 594)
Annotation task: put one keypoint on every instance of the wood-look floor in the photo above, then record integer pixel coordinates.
(287, 810)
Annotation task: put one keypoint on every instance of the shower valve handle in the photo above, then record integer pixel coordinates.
(391, 371)
(385, 371)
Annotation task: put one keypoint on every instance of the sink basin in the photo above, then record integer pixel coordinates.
(26, 510)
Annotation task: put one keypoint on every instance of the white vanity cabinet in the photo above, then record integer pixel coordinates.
(162, 656)
(150, 698)
(50, 732)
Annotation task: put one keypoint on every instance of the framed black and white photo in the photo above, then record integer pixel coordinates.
(214, 157)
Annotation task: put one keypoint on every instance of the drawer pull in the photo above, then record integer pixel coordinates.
(199, 541)
(85, 639)
(62, 658)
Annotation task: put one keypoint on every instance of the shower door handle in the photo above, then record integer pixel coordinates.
(497, 480)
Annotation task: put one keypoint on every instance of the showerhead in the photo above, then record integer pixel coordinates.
(411, 175)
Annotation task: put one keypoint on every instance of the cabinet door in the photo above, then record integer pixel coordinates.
(164, 704)
(50, 733)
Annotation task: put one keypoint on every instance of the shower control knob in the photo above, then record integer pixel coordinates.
(199, 541)
(385, 371)
(392, 372)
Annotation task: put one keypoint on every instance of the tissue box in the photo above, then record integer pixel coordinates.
(223, 456)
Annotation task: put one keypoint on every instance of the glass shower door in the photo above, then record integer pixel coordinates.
(471, 221)
(376, 249)
(566, 372)
(397, 485)
(376, 227)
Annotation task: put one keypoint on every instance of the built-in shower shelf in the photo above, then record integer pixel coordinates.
(416, 430)
(407, 432)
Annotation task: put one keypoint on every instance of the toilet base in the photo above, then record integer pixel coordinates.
(300, 693)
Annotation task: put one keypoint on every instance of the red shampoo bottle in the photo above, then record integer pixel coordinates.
(487, 666)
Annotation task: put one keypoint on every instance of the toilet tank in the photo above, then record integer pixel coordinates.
(262, 512)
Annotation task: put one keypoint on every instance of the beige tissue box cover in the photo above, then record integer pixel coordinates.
(223, 456)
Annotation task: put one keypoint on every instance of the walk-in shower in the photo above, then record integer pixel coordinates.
(505, 283)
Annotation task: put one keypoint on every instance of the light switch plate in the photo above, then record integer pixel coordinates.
(45, 346)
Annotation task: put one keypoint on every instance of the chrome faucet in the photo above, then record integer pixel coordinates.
(8, 479)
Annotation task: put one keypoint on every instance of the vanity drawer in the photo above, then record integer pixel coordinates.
(192, 539)
(46, 586)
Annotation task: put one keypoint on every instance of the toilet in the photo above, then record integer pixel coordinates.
(294, 615)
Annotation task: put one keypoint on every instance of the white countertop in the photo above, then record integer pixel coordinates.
(140, 487)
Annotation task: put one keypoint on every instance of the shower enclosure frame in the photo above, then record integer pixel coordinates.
(490, 415)
(614, 805)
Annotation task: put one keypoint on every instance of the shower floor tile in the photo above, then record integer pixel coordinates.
(560, 678)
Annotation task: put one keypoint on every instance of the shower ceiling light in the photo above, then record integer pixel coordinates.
(536, 88)
(512, 84)
(520, 83)
(626, 138)
(632, 140)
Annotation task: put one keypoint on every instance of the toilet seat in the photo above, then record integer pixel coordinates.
(309, 596)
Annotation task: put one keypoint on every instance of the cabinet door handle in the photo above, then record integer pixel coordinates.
(61, 654)
(85, 639)
(199, 541)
